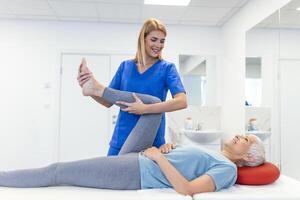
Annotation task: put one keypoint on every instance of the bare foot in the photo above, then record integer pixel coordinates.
(92, 88)
(83, 67)
(84, 73)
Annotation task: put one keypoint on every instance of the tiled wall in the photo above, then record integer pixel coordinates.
(207, 116)
(262, 115)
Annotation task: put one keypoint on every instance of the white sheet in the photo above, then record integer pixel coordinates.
(78, 193)
(284, 188)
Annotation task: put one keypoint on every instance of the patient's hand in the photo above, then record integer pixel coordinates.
(166, 148)
(153, 153)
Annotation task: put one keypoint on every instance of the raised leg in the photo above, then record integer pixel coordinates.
(143, 134)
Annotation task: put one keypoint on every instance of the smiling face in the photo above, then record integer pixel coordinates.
(245, 150)
(239, 145)
(154, 43)
(151, 42)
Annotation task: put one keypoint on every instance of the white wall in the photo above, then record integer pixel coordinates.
(289, 43)
(30, 58)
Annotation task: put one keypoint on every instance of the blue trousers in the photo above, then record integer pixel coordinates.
(120, 172)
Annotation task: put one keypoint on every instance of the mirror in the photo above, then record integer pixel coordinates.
(276, 40)
(289, 87)
(253, 83)
(193, 72)
(261, 90)
(198, 75)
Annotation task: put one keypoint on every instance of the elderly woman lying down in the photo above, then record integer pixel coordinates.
(187, 169)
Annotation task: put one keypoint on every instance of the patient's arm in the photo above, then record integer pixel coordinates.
(203, 183)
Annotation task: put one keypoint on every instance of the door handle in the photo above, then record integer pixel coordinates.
(114, 121)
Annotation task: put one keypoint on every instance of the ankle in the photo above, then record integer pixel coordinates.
(98, 90)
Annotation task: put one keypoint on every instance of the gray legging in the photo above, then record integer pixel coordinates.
(114, 172)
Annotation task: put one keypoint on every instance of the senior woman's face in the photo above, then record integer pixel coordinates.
(240, 144)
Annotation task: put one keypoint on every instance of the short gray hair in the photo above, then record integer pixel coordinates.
(256, 153)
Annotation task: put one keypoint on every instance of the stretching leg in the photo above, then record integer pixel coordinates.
(115, 172)
(143, 134)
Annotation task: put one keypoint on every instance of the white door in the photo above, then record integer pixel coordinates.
(290, 117)
(84, 123)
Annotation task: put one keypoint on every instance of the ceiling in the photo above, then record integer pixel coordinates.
(288, 17)
(198, 12)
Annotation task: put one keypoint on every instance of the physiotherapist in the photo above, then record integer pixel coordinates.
(148, 73)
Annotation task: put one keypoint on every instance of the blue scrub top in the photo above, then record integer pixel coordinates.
(156, 81)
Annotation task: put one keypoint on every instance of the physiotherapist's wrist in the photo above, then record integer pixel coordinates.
(147, 109)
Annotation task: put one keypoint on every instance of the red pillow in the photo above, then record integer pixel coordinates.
(259, 175)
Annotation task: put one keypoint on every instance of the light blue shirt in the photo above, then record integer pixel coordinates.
(191, 162)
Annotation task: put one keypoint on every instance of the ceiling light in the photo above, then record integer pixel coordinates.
(298, 8)
(167, 2)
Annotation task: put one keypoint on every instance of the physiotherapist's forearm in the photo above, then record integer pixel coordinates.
(179, 182)
(177, 103)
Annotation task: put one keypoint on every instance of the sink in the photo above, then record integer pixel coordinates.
(202, 136)
(261, 134)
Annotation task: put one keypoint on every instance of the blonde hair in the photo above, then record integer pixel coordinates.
(149, 25)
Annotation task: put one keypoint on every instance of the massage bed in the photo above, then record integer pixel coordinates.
(80, 193)
(284, 188)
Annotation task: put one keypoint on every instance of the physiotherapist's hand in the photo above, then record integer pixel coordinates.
(137, 107)
(84, 73)
(166, 148)
(153, 153)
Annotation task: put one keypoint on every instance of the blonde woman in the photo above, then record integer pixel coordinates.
(148, 73)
